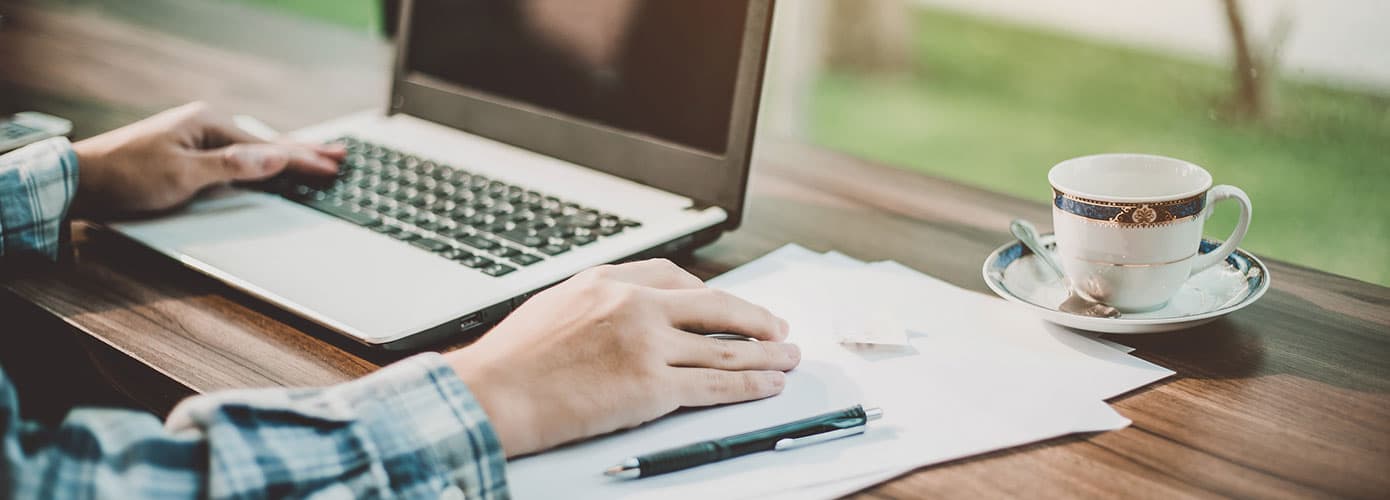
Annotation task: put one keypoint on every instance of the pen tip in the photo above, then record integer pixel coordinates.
(629, 469)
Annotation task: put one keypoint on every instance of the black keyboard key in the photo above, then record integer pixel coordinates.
(554, 232)
(523, 216)
(460, 232)
(404, 235)
(430, 244)
(609, 231)
(455, 253)
(404, 212)
(300, 192)
(630, 223)
(556, 241)
(443, 206)
(505, 251)
(345, 212)
(582, 240)
(589, 220)
(423, 200)
(463, 212)
(525, 259)
(523, 237)
(478, 242)
(481, 219)
(475, 262)
(496, 270)
(554, 249)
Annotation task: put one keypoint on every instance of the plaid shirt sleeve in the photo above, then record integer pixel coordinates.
(37, 183)
(410, 430)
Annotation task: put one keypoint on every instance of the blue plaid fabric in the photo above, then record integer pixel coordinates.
(36, 185)
(410, 430)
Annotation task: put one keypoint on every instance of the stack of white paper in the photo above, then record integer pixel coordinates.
(956, 373)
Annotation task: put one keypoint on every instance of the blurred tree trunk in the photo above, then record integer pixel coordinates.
(869, 35)
(1250, 82)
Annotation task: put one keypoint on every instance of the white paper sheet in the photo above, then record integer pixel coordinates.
(971, 377)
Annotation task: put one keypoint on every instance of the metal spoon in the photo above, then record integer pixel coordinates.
(729, 336)
(1076, 303)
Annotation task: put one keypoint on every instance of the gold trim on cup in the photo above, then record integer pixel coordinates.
(1130, 214)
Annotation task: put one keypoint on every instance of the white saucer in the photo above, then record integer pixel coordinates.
(1014, 273)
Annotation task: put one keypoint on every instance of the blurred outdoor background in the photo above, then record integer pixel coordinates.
(1288, 99)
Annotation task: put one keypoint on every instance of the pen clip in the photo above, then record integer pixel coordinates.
(790, 443)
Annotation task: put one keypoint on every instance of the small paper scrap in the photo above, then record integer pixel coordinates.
(875, 326)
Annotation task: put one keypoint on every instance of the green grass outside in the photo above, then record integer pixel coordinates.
(362, 14)
(995, 105)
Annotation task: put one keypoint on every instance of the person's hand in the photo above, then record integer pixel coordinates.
(612, 348)
(162, 161)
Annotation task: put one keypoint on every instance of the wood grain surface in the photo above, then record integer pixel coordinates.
(1288, 398)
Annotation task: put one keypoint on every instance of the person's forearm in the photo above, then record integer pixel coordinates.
(37, 183)
(410, 430)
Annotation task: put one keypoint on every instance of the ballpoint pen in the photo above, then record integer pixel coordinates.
(818, 429)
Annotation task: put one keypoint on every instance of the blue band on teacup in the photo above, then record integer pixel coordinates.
(1141, 214)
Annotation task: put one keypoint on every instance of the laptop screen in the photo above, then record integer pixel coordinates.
(663, 69)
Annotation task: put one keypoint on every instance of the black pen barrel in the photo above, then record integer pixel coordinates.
(705, 452)
(681, 458)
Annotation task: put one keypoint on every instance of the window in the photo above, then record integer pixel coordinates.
(1289, 100)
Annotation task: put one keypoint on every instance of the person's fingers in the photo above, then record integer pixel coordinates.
(240, 162)
(655, 273)
(708, 386)
(710, 310)
(692, 350)
(332, 150)
(310, 160)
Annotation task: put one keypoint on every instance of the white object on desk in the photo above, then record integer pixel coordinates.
(1212, 293)
(981, 375)
(27, 127)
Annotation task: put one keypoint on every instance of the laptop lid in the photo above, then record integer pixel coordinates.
(660, 92)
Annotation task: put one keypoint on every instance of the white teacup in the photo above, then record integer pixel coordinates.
(1129, 226)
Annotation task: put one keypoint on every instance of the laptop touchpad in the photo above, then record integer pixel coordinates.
(303, 259)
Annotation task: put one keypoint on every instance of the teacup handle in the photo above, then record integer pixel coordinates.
(1215, 195)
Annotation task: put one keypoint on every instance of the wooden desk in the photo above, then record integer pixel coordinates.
(1289, 398)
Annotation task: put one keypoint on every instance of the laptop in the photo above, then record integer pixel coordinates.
(524, 141)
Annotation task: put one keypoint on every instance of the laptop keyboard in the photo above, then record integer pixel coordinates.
(480, 223)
